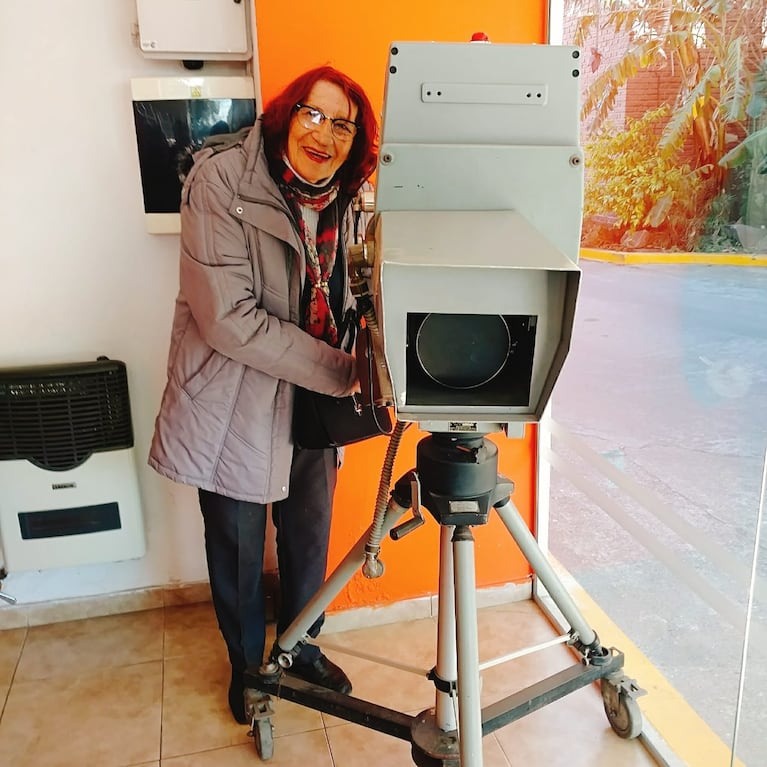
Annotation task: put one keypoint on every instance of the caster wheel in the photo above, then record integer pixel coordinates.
(262, 732)
(622, 711)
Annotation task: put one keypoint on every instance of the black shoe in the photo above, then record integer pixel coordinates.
(324, 673)
(237, 698)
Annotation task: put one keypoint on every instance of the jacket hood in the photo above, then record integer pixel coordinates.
(256, 183)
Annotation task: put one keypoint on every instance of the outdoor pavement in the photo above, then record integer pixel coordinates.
(667, 379)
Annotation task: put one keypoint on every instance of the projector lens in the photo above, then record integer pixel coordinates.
(463, 351)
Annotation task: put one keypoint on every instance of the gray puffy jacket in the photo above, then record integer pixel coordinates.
(236, 349)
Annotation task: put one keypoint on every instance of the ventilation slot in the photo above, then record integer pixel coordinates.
(58, 417)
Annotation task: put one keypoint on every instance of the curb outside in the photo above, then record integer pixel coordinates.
(665, 257)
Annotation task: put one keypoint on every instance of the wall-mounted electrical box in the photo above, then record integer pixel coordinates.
(195, 29)
(174, 116)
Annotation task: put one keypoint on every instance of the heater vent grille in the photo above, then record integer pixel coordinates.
(57, 416)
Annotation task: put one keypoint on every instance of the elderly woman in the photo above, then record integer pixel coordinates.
(264, 306)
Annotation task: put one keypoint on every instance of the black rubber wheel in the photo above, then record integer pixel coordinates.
(622, 711)
(262, 732)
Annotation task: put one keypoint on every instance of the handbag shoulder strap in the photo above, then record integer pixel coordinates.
(351, 325)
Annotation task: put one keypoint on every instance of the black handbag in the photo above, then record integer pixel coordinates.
(321, 421)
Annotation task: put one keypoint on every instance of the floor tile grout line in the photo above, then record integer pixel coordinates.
(502, 750)
(162, 682)
(327, 741)
(15, 671)
(92, 671)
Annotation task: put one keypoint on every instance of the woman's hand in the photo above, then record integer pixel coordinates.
(353, 384)
(353, 389)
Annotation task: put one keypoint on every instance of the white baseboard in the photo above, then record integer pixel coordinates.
(58, 611)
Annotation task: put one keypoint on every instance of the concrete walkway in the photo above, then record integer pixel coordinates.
(667, 379)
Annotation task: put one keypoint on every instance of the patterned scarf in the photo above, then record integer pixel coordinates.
(320, 248)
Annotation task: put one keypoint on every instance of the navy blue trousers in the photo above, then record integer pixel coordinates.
(234, 545)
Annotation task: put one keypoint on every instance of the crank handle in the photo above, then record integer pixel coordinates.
(406, 527)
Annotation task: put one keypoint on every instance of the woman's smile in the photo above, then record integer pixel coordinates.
(315, 155)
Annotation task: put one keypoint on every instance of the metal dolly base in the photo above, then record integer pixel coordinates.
(431, 746)
(457, 478)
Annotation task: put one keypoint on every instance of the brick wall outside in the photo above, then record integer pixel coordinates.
(648, 89)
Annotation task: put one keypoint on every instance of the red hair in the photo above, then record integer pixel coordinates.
(278, 113)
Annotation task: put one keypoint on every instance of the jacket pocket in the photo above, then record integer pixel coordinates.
(209, 369)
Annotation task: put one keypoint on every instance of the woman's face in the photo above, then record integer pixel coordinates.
(314, 152)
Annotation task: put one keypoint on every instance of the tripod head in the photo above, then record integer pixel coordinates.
(456, 479)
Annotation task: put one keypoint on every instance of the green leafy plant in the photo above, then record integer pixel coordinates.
(633, 185)
(751, 155)
(717, 235)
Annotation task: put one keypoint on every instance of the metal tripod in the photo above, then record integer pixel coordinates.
(456, 480)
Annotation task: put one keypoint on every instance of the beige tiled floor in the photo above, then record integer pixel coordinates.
(149, 689)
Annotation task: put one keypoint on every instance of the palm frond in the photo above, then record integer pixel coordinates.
(576, 7)
(717, 8)
(683, 18)
(739, 154)
(734, 91)
(583, 29)
(603, 92)
(679, 125)
(758, 101)
(673, 42)
(688, 19)
(624, 20)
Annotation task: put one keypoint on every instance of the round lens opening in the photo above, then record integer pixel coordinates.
(463, 351)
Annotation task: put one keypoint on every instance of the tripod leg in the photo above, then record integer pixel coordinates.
(346, 569)
(529, 546)
(467, 644)
(446, 669)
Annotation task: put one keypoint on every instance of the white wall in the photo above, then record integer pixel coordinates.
(79, 275)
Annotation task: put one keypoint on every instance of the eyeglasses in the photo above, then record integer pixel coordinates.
(311, 117)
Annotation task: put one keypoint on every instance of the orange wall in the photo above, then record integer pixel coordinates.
(294, 37)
